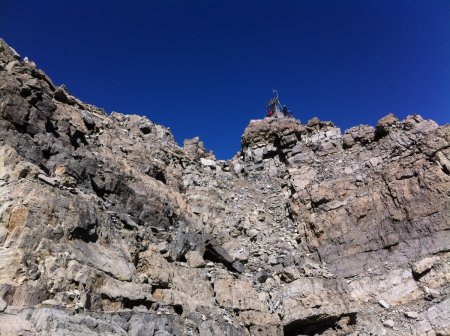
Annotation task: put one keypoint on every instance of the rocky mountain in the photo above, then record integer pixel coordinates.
(108, 227)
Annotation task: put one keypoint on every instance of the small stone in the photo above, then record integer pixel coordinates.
(375, 161)
(411, 314)
(140, 308)
(238, 266)
(163, 247)
(432, 293)
(383, 304)
(252, 233)
(208, 162)
(50, 302)
(47, 180)
(143, 278)
(59, 170)
(423, 265)
(387, 121)
(277, 268)
(389, 323)
(348, 170)
(242, 255)
(195, 259)
(289, 274)
(261, 276)
(237, 168)
(273, 260)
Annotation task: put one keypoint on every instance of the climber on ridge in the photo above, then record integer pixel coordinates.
(286, 113)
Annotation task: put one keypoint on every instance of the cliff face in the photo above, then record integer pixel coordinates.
(107, 227)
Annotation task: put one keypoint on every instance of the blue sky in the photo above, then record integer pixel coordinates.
(205, 68)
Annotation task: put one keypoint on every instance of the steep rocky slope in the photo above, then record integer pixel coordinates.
(108, 227)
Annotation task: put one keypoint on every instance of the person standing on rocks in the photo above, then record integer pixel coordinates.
(286, 113)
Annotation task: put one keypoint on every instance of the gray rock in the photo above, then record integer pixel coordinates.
(411, 314)
(423, 265)
(261, 276)
(208, 162)
(313, 122)
(50, 181)
(389, 323)
(384, 304)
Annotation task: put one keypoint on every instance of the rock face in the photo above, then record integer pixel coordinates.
(108, 227)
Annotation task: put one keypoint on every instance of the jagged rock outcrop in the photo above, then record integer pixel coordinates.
(108, 227)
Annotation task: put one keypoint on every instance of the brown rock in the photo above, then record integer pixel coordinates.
(195, 259)
(423, 265)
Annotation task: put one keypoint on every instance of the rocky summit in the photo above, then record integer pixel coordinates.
(108, 227)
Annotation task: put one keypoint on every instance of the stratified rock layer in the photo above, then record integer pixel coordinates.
(108, 227)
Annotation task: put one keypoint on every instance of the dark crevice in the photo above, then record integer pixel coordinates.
(319, 202)
(129, 224)
(215, 254)
(390, 247)
(407, 176)
(178, 309)
(129, 304)
(291, 214)
(99, 190)
(136, 259)
(157, 173)
(380, 133)
(280, 153)
(88, 303)
(446, 170)
(160, 177)
(21, 128)
(156, 286)
(77, 139)
(211, 256)
(87, 234)
(417, 276)
(50, 128)
(145, 129)
(90, 125)
(317, 325)
(44, 168)
(46, 153)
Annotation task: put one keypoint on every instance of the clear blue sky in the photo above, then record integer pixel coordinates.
(205, 68)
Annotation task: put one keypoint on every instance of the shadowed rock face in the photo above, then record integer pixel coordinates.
(107, 226)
